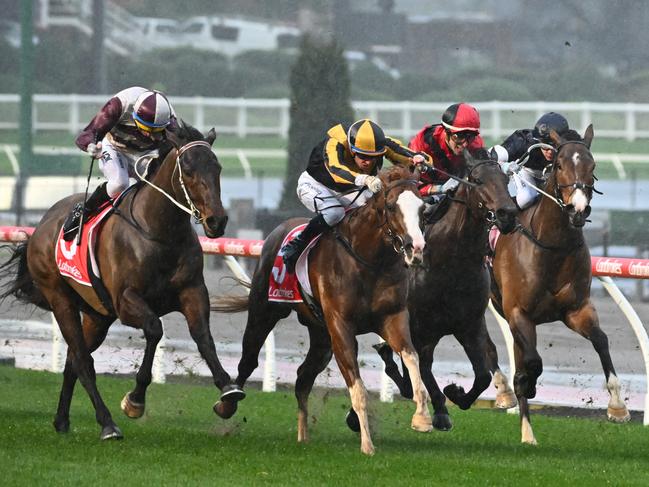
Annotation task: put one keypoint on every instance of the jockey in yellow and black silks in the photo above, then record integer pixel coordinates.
(348, 159)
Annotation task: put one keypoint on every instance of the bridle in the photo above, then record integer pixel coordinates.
(190, 208)
(490, 216)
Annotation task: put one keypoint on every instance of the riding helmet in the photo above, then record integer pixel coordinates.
(152, 112)
(548, 122)
(366, 137)
(461, 117)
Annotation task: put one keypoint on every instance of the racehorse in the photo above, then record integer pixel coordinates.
(542, 273)
(359, 283)
(450, 292)
(151, 264)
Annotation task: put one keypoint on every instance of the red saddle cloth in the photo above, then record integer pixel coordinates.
(77, 261)
(283, 286)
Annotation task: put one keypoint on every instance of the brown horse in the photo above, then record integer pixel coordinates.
(151, 264)
(450, 292)
(542, 273)
(360, 285)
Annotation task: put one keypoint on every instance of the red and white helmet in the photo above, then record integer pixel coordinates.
(461, 117)
(152, 112)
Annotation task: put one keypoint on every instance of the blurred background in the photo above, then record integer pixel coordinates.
(272, 76)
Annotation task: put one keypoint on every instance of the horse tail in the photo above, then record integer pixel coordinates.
(19, 282)
(232, 304)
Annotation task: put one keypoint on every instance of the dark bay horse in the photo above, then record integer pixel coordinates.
(151, 264)
(450, 292)
(359, 279)
(542, 273)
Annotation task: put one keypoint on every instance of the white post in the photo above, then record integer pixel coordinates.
(638, 329)
(58, 353)
(270, 383)
(509, 342)
(630, 122)
(158, 372)
(74, 114)
(242, 118)
(199, 107)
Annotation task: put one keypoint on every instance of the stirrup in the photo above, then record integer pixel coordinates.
(71, 224)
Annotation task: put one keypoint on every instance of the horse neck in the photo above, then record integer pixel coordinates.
(364, 230)
(461, 226)
(549, 222)
(154, 212)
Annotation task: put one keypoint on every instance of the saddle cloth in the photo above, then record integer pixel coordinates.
(75, 261)
(284, 287)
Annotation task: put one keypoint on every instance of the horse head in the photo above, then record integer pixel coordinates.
(199, 182)
(401, 206)
(573, 174)
(487, 195)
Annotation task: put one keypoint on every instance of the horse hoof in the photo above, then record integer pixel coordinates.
(225, 409)
(132, 409)
(61, 426)
(232, 393)
(506, 400)
(442, 422)
(618, 415)
(352, 421)
(111, 432)
(422, 423)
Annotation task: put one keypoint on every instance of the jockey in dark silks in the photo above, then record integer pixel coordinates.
(131, 124)
(445, 143)
(348, 158)
(517, 144)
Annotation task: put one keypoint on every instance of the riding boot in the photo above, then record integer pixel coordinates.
(292, 250)
(93, 203)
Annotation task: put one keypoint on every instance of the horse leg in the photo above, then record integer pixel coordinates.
(505, 397)
(586, 322)
(473, 343)
(95, 328)
(392, 370)
(317, 358)
(194, 305)
(441, 419)
(527, 434)
(396, 332)
(529, 365)
(67, 316)
(134, 311)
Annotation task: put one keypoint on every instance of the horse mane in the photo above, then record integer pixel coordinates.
(571, 135)
(187, 132)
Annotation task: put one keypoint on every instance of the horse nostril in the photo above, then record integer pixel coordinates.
(216, 224)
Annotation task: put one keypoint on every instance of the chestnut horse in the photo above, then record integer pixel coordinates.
(360, 285)
(151, 264)
(450, 292)
(542, 273)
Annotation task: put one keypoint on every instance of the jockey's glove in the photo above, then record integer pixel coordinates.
(94, 149)
(449, 185)
(372, 182)
(510, 168)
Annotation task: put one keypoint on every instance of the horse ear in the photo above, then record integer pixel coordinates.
(556, 138)
(172, 137)
(588, 135)
(468, 157)
(211, 136)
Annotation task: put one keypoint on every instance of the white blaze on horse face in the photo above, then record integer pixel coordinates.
(579, 199)
(410, 205)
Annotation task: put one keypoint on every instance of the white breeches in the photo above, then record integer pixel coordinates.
(116, 164)
(329, 203)
(526, 195)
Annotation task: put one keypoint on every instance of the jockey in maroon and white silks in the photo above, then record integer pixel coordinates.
(124, 130)
(131, 124)
(444, 143)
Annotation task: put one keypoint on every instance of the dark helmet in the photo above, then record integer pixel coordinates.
(548, 122)
(461, 117)
(152, 112)
(366, 137)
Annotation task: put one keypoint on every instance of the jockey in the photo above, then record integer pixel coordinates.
(132, 123)
(347, 159)
(517, 144)
(445, 142)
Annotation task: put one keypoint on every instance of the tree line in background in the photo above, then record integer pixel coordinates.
(63, 64)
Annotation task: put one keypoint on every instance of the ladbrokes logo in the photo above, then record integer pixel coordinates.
(609, 266)
(282, 293)
(70, 269)
(639, 269)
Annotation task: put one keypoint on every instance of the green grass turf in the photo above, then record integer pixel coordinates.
(180, 441)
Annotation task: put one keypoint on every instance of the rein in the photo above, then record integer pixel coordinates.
(190, 208)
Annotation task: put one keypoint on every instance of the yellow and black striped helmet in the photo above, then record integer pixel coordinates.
(366, 137)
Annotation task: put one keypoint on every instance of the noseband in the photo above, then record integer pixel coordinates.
(190, 208)
(490, 217)
(395, 238)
